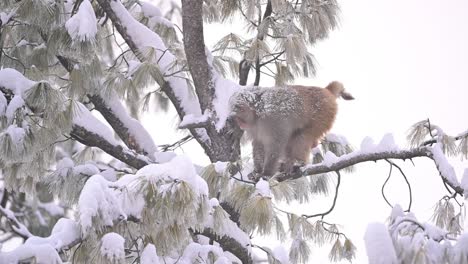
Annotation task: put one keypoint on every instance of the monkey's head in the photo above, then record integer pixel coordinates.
(243, 109)
(245, 116)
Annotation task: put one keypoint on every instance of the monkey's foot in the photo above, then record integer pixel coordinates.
(254, 176)
(282, 167)
(297, 167)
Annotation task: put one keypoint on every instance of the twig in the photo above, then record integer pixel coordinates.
(332, 232)
(273, 59)
(383, 186)
(407, 183)
(338, 181)
(176, 144)
(16, 60)
(241, 180)
(244, 15)
(456, 138)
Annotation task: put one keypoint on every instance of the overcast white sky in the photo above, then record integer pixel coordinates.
(404, 61)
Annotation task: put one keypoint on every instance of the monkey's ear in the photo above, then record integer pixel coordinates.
(346, 96)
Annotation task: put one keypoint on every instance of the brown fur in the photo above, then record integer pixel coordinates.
(286, 123)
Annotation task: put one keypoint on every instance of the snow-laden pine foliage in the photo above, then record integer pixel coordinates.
(407, 240)
(82, 181)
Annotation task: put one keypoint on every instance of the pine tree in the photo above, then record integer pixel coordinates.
(79, 188)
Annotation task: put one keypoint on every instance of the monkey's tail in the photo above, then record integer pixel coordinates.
(337, 89)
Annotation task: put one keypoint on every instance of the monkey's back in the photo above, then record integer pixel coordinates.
(320, 109)
(280, 103)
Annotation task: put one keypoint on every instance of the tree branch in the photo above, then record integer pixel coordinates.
(456, 138)
(123, 131)
(173, 93)
(112, 119)
(407, 183)
(385, 183)
(88, 138)
(225, 144)
(194, 44)
(16, 226)
(93, 140)
(244, 65)
(229, 244)
(338, 181)
(358, 157)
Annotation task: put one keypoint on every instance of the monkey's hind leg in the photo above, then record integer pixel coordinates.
(272, 155)
(258, 153)
(298, 151)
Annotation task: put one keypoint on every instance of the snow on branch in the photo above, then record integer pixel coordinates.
(140, 38)
(405, 239)
(204, 76)
(112, 247)
(229, 244)
(91, 139)
(130, 130)
(379, 245)
(212, 89)
(83, 25)
(31, 254)
(132, 133)
(384, 151)
(64, 235)
(172, 82)
(87, 129)
(191, 121)
(84, 118)
(16, 225)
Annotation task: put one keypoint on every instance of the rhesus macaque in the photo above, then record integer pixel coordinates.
(285, 123)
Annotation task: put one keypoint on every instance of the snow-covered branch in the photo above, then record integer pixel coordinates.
(86, 128)
(191, 121)
(356, 157)
(406, 239)
(229, 244)
(64, 235)
(140, 38)
(130, 130)
(91, 139)
(202, 75)
(217, 145)
(16, 225)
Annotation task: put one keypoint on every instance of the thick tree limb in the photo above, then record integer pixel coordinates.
(165, 85)
(229, 244)
(201, 71)
(93, 140)
(112, 119)
(137, 50)
(117, 124)
(218, 145)
(225, 144)
(194, 44)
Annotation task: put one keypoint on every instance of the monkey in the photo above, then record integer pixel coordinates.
(285, 123)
